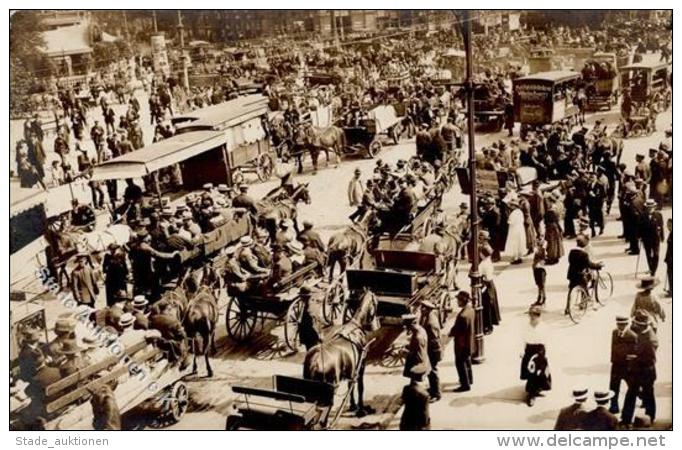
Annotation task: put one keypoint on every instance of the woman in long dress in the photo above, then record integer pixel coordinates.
(534, 363)
(553, 234)
(515, 246)
(489, 302)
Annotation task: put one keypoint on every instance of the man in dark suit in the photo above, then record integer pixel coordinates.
(578, 263)
(30, 354)
(600, 419)
(596, 196)
(623, 343)
(83, 282)
(643, 370)
(651, 233)
(463, 333)
(573, 417)
(431, 325)
(34, 413)
(415, 415)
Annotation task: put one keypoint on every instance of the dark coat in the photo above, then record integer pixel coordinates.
(463, 331)
(571, 418)
(84, 285)
(622, 345)
(578, 262)
(600, 419)
(417, 350)
(416, 408)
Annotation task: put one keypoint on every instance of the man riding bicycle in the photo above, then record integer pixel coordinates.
(580, 266)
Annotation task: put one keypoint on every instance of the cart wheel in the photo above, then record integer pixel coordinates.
(175, 405)
(240, 322)
(394, 356)
(637, 130)
(373, 148)
(332, 305)
(292, 320)
(264, 167)
(444, 305)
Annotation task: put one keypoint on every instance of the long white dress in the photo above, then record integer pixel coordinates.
(516, 237)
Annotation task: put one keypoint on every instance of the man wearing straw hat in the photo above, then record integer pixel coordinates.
(647, 301)
(642, 371)
(600, 419)
(572, 417)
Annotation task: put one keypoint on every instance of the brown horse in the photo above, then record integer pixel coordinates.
(200, 319)
(105, 412)
(342, 357)
(271, 212)
(331, 138)
(346, 246)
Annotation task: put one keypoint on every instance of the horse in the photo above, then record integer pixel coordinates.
(347, 245)
(342, 357)
(319, 138)
(106, 415)
(199, 322)
(270, 211)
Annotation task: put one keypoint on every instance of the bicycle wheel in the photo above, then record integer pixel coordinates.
(578, 302)
(603, 287)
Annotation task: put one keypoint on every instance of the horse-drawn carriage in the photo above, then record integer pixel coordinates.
(366, 133)
(291, 404)
(279, 302)
(140, 379)
(602, 83)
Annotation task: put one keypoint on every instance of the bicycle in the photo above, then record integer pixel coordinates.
(600, 285)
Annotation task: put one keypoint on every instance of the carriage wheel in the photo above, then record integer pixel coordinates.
(637, 130)
(578, 302)
(603, 287)
(444, 306)
(175, 404)
(332, 305)
(292, 320)
(373, 148)
(264, 167)
(240, 322)
(394, 356)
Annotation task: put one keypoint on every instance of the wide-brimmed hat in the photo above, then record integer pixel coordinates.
(602, 397)
(650, 202)
(208, 186)
(139, 301)
(622, 320)
(230, 250)
(580, 394)
(223, 188)
(648, 282)
(65, 325)
(245, 241)
(126, 320)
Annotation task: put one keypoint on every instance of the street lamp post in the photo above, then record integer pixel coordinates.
(474, 275)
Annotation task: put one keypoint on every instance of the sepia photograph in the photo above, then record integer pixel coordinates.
(340, 219)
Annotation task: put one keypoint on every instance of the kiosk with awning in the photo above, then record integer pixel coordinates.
(209, 145)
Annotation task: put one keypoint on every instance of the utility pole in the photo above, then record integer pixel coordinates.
(181, 30)
(474, 275)
(156, 28)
